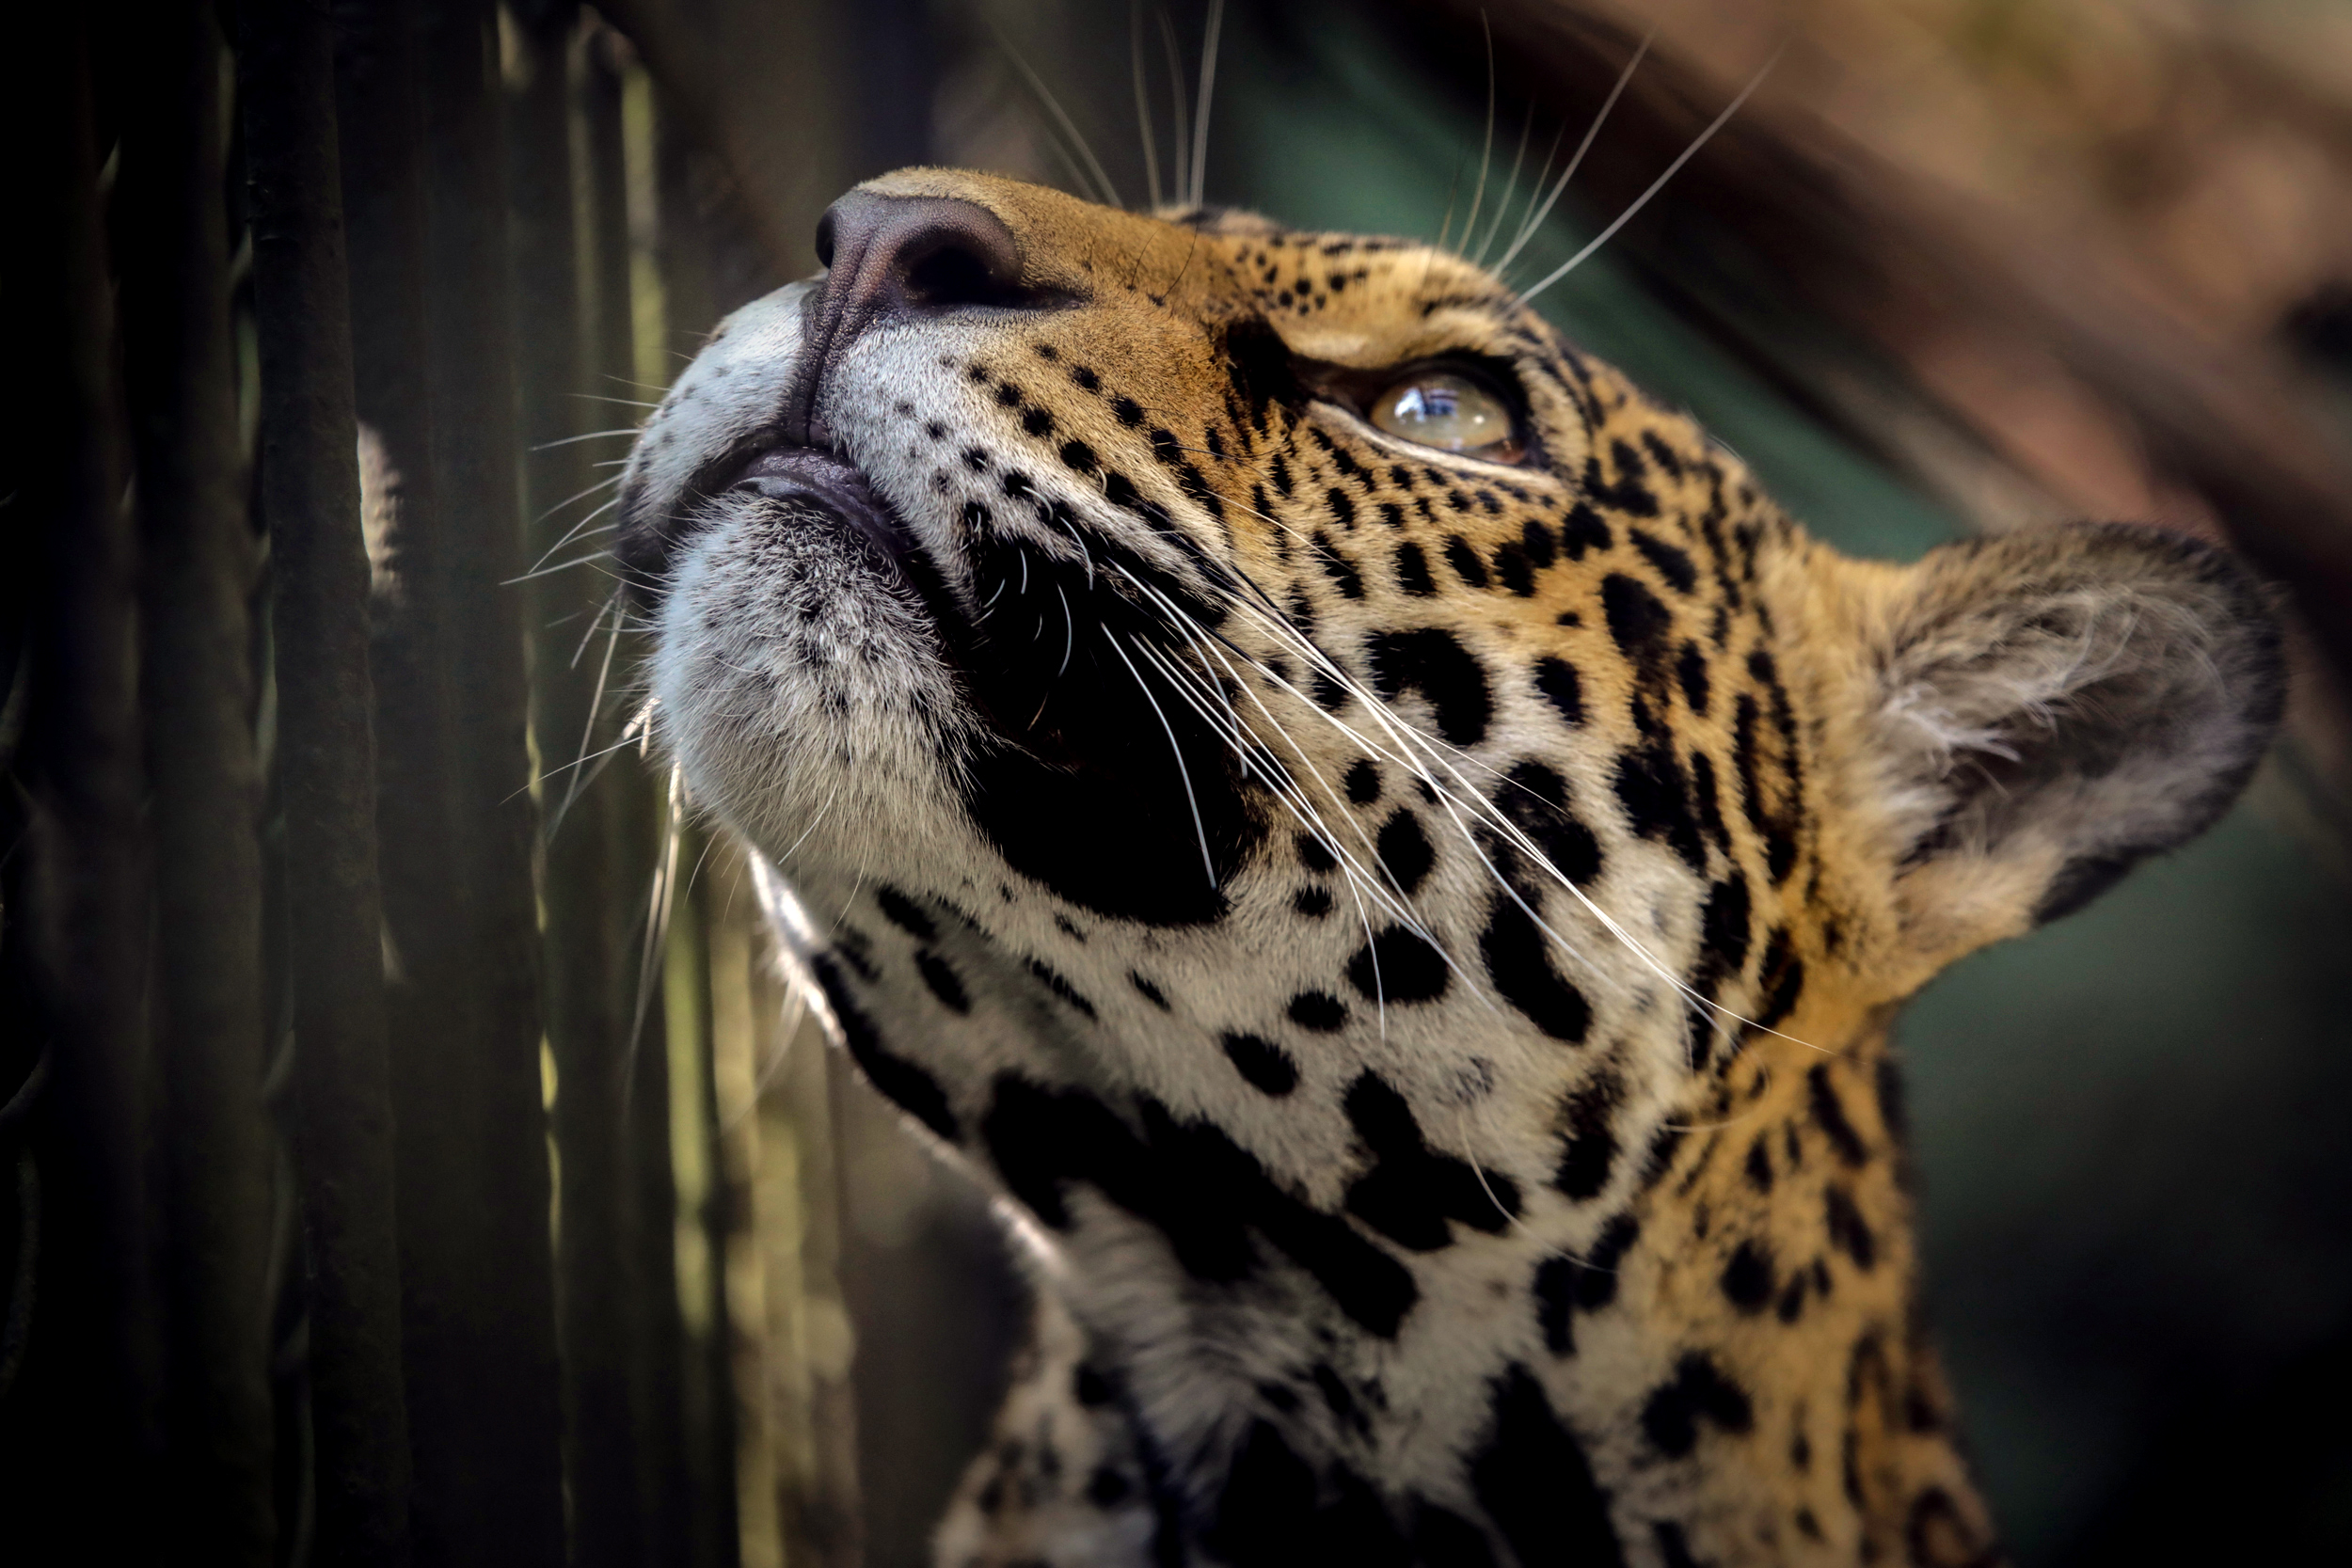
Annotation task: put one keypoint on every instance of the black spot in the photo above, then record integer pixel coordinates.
(1398, 965)
(1597, 1285)
(1412, 570)
(1847, 1230)
(1037, 421)
(1404, 852)
(1518, 960)
(1313, 902)
(1669, 1417)
(1465, 561)
(905, 913)
(1542, 549)
(1557, 679)
(1052, 980)
(1724, 924)
(1264, 1064)
(1106, 1487)
(1638, 620)
(1748, 1277)
(942, 981)
(1314, 854)
(1090, 1388)
(1660, 453)
(1829, 1115)
(1318, 1011)
(1514, 571)
(897, 1079)
(1431, 662)
(1583, 530)
(1555, 1302)
(1150, 992)
(1336, 566)
(1692, 668)
(1629, 494)
(1205, 1192)
(1656, 795)
(1535, 1482)
(1534, 799)
(1342, 507)
(1363, 781)
(1759, 1165)
(1592, 1139)
(1411, 1192)
(1706, 800)
(1791, 1306)
(1673, 563)
(1663, 1145)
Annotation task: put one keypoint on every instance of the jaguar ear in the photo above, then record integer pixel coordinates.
(2052, 706)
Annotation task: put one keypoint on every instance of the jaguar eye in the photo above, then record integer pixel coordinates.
(1450, 412)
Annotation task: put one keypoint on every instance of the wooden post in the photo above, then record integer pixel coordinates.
(196, 579)
(484, 1382)
(86, 1399)
(649, 1279)
(327, 776)
(575, 625)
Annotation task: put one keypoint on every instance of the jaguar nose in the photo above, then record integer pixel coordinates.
(888, 256)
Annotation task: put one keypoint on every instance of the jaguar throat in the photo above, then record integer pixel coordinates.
(1396, 861)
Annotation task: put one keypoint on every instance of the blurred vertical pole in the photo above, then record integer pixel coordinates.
(575, 667)
(688, 313)
(648, 1277)
(327, 775)
(488, 1399)
(88, 1399)
(198, 567)
(429, 1019)
(731, 940)
(701, 1221)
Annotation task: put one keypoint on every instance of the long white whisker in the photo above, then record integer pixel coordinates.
(1182, 182)
(1103, 191)
(1657, 184)
(587, 436)
(1536, 219)
(1485, 152)
(1510, 188)
(1207, 864)
(1208, 89)
(1143, 107)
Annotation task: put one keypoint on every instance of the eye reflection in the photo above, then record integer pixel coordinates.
(1449, 412)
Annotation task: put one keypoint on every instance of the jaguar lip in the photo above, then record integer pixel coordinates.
(827, 482)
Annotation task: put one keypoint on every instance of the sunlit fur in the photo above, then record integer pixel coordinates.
(1629, 1136)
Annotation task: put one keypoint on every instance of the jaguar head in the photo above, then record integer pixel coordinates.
(1317, 788)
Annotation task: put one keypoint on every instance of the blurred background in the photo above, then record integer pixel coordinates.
(635, 1272)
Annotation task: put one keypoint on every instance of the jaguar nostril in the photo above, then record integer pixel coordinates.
(893, 253)
(955, 274)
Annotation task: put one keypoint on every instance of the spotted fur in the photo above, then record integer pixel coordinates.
(1410, 937)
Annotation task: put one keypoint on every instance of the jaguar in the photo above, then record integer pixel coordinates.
(1395, 861)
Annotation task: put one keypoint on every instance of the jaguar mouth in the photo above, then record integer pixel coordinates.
(823, 481)
(810, 479)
